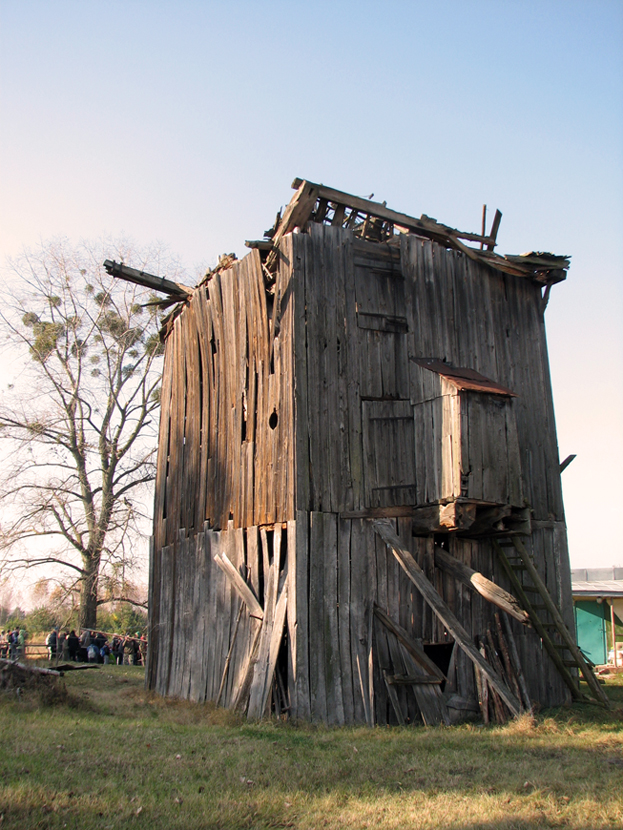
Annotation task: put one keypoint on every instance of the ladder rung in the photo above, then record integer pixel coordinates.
(518, 567)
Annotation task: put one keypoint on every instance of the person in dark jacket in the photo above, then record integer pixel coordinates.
(73, 645)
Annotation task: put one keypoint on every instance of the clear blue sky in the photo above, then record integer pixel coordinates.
(186, 122)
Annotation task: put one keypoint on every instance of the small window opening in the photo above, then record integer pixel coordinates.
(273, 420)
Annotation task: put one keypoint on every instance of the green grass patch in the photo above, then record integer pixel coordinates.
(107, 754)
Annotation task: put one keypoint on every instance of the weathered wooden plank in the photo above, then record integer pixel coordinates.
(442, 611)
(291, 617)
(191, 448)
(211, 548)
(477, 582)
(273, 648)
(352, 351)
(299, 346)
(256, 693)
(343, 595)
(200, 303)
(409, 643)
(240, 586)
(265, 561)
(317, 623)
(333, 677)
(302, 701)
(253, 559)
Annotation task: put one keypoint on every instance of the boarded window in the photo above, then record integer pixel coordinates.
(382, 327)
(389, 453)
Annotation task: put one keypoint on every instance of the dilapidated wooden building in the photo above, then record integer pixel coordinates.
(357, 471)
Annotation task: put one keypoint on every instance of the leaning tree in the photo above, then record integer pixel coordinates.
(78, 425)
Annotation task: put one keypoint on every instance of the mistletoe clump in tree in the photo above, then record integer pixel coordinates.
(78, 426)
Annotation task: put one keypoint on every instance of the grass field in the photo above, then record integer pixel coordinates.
(112, 756)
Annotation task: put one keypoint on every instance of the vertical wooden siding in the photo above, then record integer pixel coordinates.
(475, 317)
(226, 448)
(453, 309)
(338, 346)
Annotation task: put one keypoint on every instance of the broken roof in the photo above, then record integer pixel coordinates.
(375, 222)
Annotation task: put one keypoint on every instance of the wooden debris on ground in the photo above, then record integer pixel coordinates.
(500, 652)
(18, 677)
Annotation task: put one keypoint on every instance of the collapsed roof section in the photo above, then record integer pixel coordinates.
(371, 221)
(375, 222)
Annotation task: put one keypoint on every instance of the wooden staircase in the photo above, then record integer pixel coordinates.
(546, 619)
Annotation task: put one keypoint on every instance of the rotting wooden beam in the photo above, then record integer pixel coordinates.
(479, 583)
(296, 214)
(124, 272)
(441, 610)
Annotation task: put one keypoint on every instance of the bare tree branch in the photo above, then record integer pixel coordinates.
(80, 427)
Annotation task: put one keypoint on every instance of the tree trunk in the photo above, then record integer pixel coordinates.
(87, 617)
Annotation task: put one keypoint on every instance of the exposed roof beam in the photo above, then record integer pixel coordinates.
(124, 272)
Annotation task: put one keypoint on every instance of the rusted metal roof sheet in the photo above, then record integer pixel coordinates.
(463, 379)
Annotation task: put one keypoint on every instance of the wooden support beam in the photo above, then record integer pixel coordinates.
(479, 583)
(418, 654)
(441, 610)
(494, 229)
(391, 693)
(516, 663)
(538, 626)
(243, 590)
(296, 215)
(273, 647)
(124, 272)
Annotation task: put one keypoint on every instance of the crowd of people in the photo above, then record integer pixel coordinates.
(90, 646)
(96, 647)
(12, 644)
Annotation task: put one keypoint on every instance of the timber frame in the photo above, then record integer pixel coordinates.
(354, 417)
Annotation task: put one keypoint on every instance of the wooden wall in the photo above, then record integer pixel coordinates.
(328, 355)
(371, 311)
(226, 428)
(337, 569)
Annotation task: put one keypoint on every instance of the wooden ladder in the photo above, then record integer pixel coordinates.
(551, 623)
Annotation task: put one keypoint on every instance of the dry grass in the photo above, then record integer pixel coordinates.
(114, 756)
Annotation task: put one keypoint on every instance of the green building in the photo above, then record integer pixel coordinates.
(598, 608)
